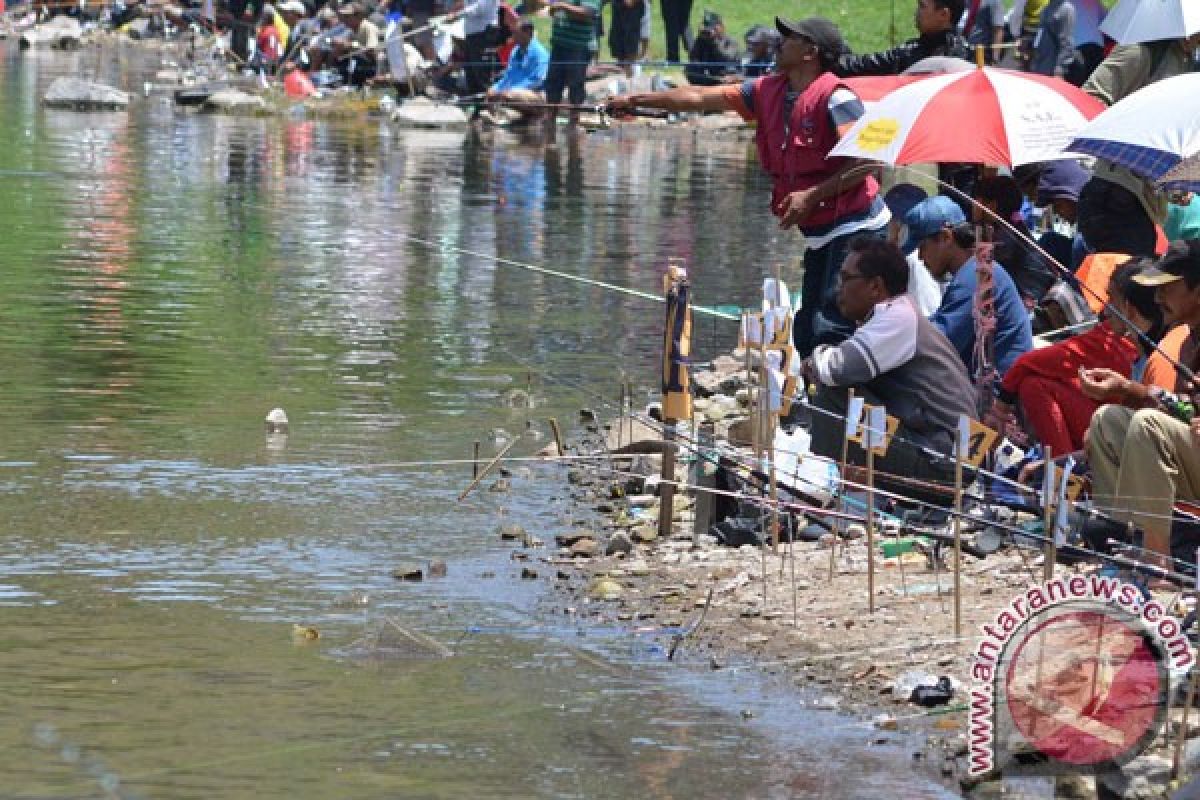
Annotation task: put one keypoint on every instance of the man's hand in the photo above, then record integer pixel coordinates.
(1102, 384)
(623, 103)
(796, 207)
(1000, 418)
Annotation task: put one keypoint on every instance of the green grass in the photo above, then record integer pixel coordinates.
(866, 24)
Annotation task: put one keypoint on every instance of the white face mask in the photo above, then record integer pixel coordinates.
(1053, 222)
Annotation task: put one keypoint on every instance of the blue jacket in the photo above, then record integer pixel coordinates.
(955, 317)
(526, 68)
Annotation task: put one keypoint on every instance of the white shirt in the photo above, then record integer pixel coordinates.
(479, 15)
(924, 290)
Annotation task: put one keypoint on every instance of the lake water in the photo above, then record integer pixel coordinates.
(165, 280)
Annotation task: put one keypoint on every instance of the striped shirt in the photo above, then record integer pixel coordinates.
(573, 33)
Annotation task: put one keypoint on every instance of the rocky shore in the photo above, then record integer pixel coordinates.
(783, 614)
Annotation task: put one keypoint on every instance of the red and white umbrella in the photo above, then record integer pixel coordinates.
(986, 116)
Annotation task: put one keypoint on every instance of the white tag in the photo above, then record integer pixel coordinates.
(854, 415)
(876, 428)
(1048, 484)
(1064, 506)
(964, 436)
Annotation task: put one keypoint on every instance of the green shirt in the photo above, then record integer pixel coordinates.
(570, 32)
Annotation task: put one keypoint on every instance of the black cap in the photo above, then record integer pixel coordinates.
(818, 30)
(1182, 259)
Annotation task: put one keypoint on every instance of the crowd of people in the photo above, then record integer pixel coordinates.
(896, 305)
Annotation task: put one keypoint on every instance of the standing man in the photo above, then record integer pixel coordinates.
(937, 29)
(801, 112)
(478, 17)
(572, 40)
(624, 34)
(676, 16)
(1054, 46)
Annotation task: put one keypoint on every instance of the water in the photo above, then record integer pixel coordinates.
(167, 279)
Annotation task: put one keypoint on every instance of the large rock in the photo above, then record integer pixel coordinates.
(234, 101)
(81, 95)
(421, 112)
(63, 33)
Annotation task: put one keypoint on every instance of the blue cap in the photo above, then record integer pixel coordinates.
(1061, 179)
(930, 216)
(901, 198)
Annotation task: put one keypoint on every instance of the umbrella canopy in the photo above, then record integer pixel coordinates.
(1150, 131)
(873, 88)
(988, 116)
(1134, 21)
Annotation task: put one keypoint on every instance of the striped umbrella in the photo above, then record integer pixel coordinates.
(1150, 131)
(985, 116)
(1184, 176)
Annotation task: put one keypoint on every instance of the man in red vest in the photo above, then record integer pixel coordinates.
(801, 110)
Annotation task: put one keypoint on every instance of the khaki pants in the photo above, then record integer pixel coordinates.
(1141, 462)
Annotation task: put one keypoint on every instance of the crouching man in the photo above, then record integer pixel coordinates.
(895, 358)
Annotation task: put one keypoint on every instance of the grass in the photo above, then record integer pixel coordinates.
(867, 25)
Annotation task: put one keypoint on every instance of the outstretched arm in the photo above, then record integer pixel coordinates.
(685, 98)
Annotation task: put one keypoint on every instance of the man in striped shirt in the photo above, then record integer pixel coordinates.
(571, 41)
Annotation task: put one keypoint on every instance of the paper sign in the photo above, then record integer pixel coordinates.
(979, 443)
(1060, 517)
(964, 436)
(876, 429)
(854, 414)
(752, 329)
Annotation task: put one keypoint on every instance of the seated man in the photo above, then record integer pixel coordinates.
(714, 56)
(946, 243)
(522, 80)
(1144, 450)
(895, 358)
(357, 56)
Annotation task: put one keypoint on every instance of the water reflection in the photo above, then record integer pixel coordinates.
(169, 277)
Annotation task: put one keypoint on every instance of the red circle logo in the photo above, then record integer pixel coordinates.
(1085, 687)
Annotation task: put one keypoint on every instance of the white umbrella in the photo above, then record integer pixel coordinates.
(1134, 21)
(1150, 131)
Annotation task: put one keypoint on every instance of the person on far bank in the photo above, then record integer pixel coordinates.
(762, 47)
(1054, 45)
(572, 39)
(945, 241)
(713, 58)
(937, 29)
(801, 112)
(624, 34)
(677, 15)
(520, 86)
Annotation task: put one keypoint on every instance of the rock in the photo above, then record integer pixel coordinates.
(421, 112)
(75, 94)
(605, 589)
(528, 574)
(409, 572)
(61, 32)
(437, 569)
(512, 532)
(570, 538)
(500, 486)
(562, 575)
(886, 722)
(585, 548)
(234, 101)
(619, 542)
(707, 383)
(741, 432)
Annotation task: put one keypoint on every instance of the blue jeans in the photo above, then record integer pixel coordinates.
(568, 71)
(818, 321)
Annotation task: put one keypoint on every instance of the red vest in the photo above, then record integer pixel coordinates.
(793, 152)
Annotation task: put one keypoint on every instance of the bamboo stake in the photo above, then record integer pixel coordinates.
(1050, 549)
(842, 490)
(870, 529)
(491, 465)
(558, 442)
(963, 436)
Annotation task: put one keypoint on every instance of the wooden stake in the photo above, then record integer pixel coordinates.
(621, 419)
(558, 442)
(475, 461)
(1177, 758)
(958, 498)
(870, 528)
(491, 465)
(842, 489)
(666, 483)
(1050, 550)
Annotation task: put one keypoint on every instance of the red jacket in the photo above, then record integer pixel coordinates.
(1099, 347)
(793, 152)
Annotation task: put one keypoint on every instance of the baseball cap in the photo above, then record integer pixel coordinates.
(711, 19)
(929, 216)
(294, 6)
(1061, 180)
(1182, 259)
(818, 30)
(901, 198)
(761, 34)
